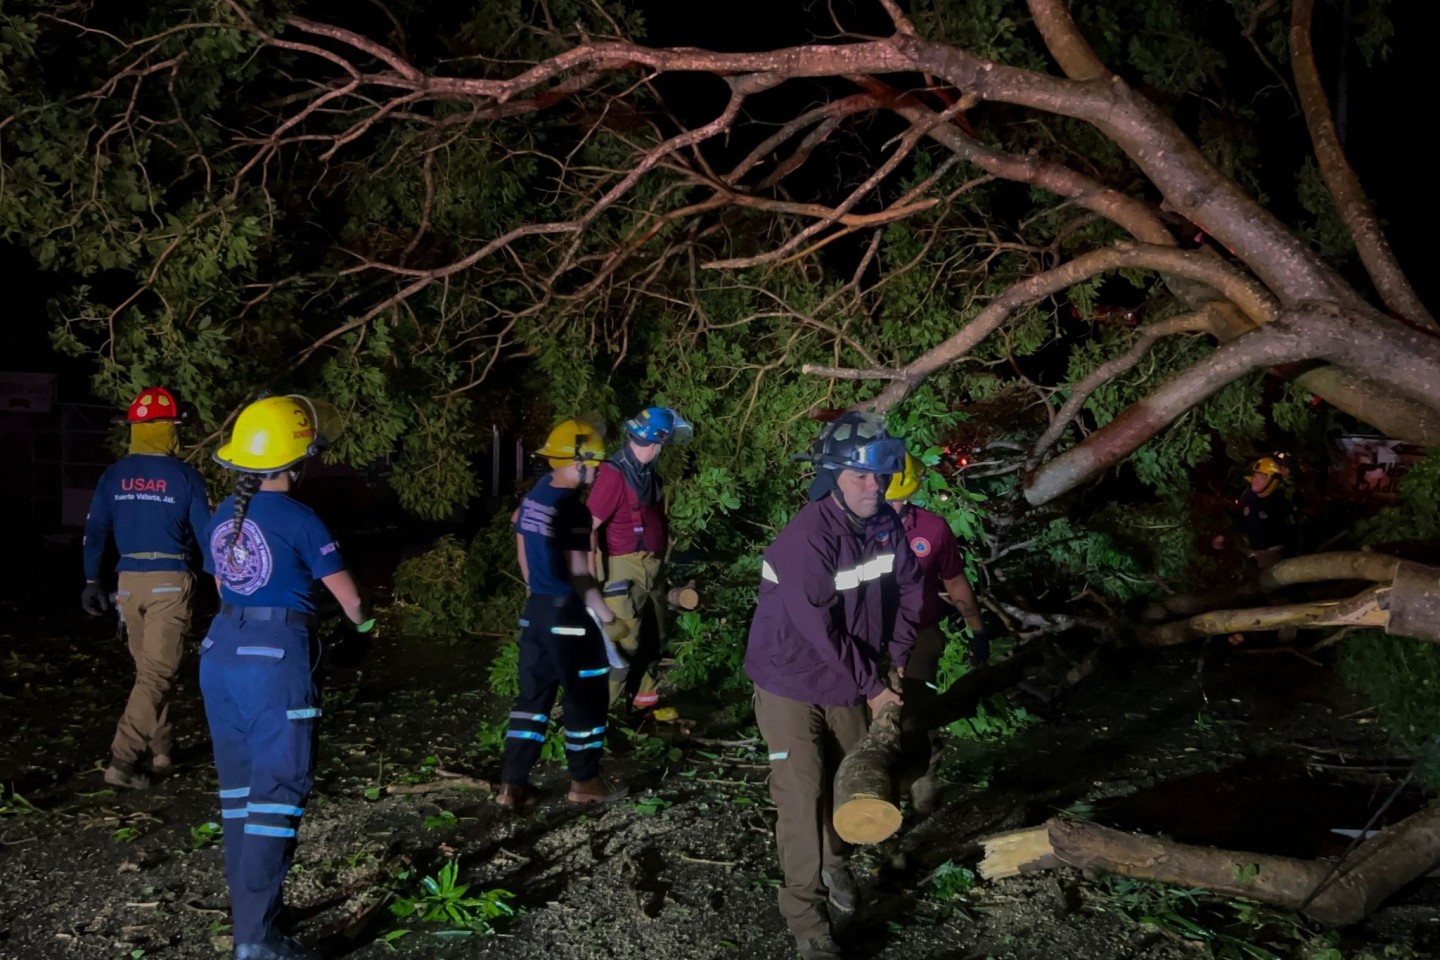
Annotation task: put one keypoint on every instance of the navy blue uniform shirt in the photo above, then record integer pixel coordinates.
(153, 504)
(552, 520)
(282, 550)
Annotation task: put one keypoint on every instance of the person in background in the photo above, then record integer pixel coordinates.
(942, 572)
(561, 639)
(257, 663)
(1262, 515)
(155, 506)
(631, 536)
(839, 602)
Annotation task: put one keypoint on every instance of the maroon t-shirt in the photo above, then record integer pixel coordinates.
(627, 525)
(935, 548)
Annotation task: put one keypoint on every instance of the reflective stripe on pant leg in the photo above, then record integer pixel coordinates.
(282, 768)
(539, 679)
(586, 698)
(232, 758)
(793, 732)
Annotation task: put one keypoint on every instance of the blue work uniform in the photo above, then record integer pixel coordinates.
(260, 696)
(156, 508)
(560, 644)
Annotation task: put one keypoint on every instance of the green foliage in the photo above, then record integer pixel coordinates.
(1416, 517)
(445, 902)
(453, 592)
(1402, 677)
(205, 835)
(1224, 929)
(994, 720)
(950, 881)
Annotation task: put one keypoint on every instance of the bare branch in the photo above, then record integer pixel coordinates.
(1065, 42)
(1350, 199)
(1109, 370)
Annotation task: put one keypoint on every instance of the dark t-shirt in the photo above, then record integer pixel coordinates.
(1265, 521)
(282, 550)
(551, 521)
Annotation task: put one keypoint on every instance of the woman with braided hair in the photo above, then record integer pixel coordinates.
(266, 552)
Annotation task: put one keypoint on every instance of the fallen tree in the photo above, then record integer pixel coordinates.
(1336, 896)
(1405, 601)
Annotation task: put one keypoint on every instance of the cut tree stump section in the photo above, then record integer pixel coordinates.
(865, 808)
(1374, 871)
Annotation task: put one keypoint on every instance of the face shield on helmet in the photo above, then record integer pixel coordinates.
(857, 441)
(662, 425)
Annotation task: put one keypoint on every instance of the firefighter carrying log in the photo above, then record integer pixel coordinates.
(155, 507)
(838, 605)
(630, 539)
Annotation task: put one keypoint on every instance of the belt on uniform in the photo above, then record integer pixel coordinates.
(153, 555)
(276, 614)
(546, 600)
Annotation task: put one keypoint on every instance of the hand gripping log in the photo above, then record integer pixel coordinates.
(865, 809)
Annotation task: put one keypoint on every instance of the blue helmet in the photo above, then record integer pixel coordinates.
(660, 425)
(857, 441)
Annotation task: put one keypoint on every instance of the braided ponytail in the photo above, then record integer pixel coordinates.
(246, 486)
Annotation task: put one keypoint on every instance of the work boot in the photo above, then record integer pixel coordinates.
(161, 763)
(817, 948)
(122, 774)
(841, 889)
(274, 947)
(925, 794)
(589, 792)
(511, 797)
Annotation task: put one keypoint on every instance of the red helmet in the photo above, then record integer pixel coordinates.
(154, 404)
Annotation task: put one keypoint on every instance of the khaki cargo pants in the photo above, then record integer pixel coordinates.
(806, 743)
(156, 610)
(635, 591)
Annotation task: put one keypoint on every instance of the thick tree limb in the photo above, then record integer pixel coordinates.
(1339, 565)
(1350, 198)
(1277, 342)
(1240, 289)
(1375, 871)
(1109, 370)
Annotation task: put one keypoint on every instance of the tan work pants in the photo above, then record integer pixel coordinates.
(635, 591)
(156, 609)
(806, 743)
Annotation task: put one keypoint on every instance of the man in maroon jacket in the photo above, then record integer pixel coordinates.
(839, 600)
(942, 573)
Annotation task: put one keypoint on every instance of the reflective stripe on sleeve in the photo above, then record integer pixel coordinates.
(767, 572)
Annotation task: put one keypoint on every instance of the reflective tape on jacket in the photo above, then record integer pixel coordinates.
(767, 572)
(872, 569)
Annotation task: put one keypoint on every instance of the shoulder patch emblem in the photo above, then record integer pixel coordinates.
(920, 546)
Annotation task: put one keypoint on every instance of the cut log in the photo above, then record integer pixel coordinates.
(1374, 871)
(865, 809)
(1414, 602)
(1019, 851)
(1366, 609)
(683, 598)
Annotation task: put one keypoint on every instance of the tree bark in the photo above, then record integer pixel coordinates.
(1374, 872)
(1349, 195)
(1339, 565)
(864, 796)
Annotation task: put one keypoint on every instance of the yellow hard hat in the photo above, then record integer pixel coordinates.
(1268, 465)
(903, 485)
(572, 441)
(272, 434)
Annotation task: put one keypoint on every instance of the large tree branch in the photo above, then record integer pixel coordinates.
(1276, 342)
(1365, 342)
(1109, 370)
(1350, 198)
(1240, 289)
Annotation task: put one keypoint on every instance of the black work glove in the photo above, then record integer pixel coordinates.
(979, 644)
(93, 599)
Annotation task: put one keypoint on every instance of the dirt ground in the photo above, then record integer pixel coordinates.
(1264, 752)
